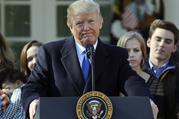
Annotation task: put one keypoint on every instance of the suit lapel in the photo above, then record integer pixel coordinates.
(101, 59)
(72, 66)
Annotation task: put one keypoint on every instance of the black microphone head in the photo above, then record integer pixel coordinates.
(89, 46)
(90, 50)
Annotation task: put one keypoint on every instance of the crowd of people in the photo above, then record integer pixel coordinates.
(55, 69)
(13, 80)
(159, 69)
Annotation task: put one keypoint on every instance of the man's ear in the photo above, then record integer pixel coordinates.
(148, 42)
(71, 28)
(101, 23)
(175, 48)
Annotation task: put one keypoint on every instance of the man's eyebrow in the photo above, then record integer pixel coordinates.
(163, 38)
(168, 39)
(158, 37)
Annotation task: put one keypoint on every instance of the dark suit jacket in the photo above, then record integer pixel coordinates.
(58, 73)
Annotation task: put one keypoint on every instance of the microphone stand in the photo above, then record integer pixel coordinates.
(92, 73)
(90, 55)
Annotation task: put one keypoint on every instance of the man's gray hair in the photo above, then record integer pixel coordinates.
(82, 6)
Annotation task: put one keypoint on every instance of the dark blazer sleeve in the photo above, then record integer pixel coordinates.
(38, 81)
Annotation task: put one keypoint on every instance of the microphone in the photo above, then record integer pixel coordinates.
(90, 51)
(90, 54)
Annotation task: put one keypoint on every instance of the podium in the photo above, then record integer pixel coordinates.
(123, 108)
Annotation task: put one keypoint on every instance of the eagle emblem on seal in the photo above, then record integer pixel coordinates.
(94, 109)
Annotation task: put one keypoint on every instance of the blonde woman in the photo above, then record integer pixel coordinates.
(135, 45)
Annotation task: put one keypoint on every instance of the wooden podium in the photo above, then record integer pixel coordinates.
(123, 108)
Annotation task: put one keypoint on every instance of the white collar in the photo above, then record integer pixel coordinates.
(153, 66)
(80, 49)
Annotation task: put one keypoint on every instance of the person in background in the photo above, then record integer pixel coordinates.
(136, 47)
(59, 69)
(4, 101)
(134, 15)
(28, 57)
(6, 55)
(162, 41)
(13, 82)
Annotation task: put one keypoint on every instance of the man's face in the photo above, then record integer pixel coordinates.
(161, 45)
(86, 27)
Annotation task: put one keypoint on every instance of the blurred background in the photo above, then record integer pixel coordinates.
(45, 20)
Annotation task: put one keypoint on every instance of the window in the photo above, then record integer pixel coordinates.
(62, 28)
(15, 18)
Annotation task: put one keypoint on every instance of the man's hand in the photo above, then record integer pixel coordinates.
(154, 109)
(32, 108)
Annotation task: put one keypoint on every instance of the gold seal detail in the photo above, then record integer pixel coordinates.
(94, 105)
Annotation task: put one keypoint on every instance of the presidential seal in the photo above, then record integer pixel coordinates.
(94, 105)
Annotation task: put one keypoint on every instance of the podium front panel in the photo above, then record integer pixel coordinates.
(123, 108)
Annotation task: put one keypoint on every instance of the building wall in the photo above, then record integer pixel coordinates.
(171, 11)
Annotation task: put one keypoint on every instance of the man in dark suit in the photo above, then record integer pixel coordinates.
(58, 70)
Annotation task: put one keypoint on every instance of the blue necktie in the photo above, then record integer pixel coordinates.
(85, 67)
